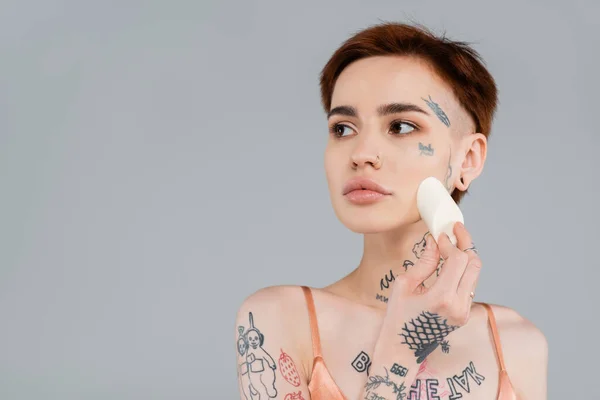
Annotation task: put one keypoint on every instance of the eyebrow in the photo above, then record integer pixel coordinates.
(382, 110)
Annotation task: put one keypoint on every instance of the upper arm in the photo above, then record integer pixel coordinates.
(527, 359)
(268, 359)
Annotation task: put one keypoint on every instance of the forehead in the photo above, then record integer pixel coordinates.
(369, 82)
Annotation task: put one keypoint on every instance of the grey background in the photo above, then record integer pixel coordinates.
(160, 161)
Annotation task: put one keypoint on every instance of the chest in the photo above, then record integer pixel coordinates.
(464, 369)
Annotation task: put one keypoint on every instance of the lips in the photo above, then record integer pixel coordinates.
(361, 183)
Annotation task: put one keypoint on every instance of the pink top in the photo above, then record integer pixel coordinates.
(322, 386)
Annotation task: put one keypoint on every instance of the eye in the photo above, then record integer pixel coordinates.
(396, 128)
(337, 130)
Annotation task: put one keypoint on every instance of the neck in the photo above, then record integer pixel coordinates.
(385, 256)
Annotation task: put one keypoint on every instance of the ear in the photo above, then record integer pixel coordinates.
(474, 150)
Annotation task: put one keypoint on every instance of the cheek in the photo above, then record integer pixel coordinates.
(333, 166)
(419, 160)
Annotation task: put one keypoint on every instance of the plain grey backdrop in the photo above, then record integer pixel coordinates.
(160, 161)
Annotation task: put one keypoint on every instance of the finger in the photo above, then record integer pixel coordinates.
(445, 245)
(469, 280)
(463, 237)
(455, 263)
(427, 263)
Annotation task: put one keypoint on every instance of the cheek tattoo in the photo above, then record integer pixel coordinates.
(425, 150)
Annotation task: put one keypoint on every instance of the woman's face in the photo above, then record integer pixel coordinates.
(412, 145)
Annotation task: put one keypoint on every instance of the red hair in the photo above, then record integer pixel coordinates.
(456, 63)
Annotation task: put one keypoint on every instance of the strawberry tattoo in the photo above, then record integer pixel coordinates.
(294, 396)
(288, 369)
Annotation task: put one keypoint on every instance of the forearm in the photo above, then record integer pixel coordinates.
(393, 369)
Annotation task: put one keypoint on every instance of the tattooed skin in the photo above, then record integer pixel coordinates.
(377, 380)
(257, 371)
(362, 362)
(438, 111)
(427, 386)
(294, 396)
(425, 150)
(288, 370)
(449, 173)
(425, 333)
(419, 247)
(399, 370)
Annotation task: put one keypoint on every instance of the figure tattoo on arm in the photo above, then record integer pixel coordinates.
(256, 373)
(425, 333)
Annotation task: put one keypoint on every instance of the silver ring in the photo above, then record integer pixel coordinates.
(472, 248)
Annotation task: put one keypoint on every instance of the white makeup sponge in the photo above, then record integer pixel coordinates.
(438, 209)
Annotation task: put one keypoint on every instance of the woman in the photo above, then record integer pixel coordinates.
(402, 105)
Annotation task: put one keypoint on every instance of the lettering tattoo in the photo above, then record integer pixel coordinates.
(438, 111)
(381, 298)
(425, 150)
(288, 370)
(375, 381)
(398, 370)
(425, 333)
(389, 278)
(426, 386)
(256, 373)
(462, 380)
(362, 362)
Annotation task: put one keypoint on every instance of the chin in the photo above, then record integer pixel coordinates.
(375, 218)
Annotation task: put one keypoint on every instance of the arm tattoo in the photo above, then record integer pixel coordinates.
(294, 396)
(375, 381)
(257, 370)
(426, 333)
(438, 111)
(288, 369)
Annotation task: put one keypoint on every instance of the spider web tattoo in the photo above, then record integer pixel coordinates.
(425, 333)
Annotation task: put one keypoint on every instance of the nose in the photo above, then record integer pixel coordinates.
(362, 159)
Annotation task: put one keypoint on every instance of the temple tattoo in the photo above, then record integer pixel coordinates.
(362, 362)
(425, 333)
(425, 150)
(438, 111)
(257, 371)
(375, 381)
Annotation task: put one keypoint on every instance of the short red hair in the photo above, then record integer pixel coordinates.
(459, 65)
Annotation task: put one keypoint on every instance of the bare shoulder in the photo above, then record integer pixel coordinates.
(519, 334)
(276, 302)
(279, 313)
(525, 350)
